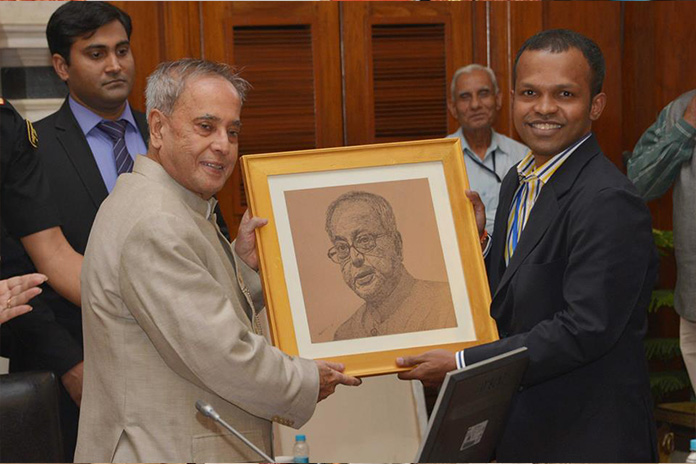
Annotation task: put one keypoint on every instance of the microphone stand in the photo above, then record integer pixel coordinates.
(208, 411)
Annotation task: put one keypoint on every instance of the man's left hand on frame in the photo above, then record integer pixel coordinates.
(245, 243)
(429, 367)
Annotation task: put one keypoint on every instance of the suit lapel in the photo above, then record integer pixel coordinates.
(75, 144)
(73, 141)
(544, 212)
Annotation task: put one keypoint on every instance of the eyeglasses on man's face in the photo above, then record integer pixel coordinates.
(363, 244)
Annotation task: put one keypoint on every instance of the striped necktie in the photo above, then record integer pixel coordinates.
(525, 198)
(531, 179)
(116, 130)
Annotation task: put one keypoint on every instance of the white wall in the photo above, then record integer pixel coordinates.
(375, 422)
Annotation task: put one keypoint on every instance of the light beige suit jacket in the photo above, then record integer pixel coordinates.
(166, 306)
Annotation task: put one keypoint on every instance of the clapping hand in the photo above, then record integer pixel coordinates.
(16, 292)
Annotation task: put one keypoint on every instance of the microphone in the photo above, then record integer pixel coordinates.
(208, 411)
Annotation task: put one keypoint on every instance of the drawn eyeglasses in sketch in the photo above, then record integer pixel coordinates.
(364, 243)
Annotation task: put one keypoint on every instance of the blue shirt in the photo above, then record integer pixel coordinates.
(100, 143)
(507, 153)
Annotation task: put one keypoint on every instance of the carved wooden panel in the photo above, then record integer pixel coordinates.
(290, 53)
(410, 81)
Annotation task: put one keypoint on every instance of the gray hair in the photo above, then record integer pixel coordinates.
(468, 69)
(378, 204)
(167, 82)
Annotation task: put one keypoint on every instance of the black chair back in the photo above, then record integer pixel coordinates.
(29, 418)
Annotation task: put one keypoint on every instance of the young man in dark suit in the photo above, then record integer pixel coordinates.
(571, 267)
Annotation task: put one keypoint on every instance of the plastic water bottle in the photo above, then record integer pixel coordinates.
(692, 455)
(301, 449)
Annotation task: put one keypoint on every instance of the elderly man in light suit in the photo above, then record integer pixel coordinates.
(170, 308)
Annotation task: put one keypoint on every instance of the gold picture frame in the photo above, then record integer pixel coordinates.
(307, 288)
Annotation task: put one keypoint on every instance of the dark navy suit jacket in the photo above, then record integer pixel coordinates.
(575, 293)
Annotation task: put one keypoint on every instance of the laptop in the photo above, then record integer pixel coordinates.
(471, 410)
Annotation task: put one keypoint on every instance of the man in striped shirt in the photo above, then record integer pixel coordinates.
(571, 266)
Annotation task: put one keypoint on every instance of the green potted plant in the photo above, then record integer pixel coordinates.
(669, 380)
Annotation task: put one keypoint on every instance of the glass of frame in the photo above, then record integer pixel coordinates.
(371, 252)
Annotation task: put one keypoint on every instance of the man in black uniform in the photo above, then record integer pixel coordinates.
(29, 215)
(15, 142)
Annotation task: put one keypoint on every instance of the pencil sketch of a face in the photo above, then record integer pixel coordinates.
(366, 244)
(368, 249)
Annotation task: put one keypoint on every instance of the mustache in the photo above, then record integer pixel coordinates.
(362, 272)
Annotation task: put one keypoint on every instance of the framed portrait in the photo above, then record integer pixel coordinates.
(371, 252)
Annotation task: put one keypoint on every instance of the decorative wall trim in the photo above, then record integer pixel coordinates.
(23, 44)
(35, 109)
(23, 35)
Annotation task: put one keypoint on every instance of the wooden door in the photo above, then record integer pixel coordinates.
(511, 23)
(659, 60)
(398, 60)
(289, 52)
(162, 31)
